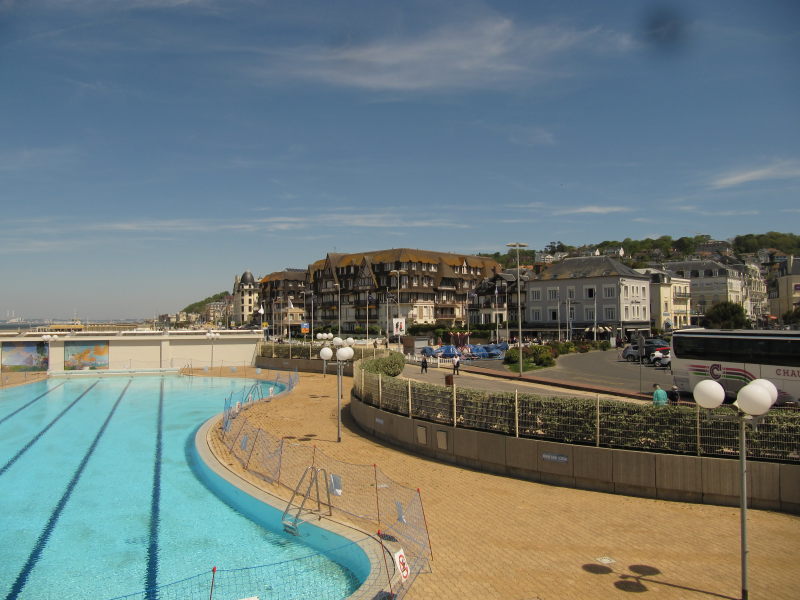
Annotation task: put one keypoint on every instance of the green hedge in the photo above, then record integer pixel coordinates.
(574, 420)
(391, 365)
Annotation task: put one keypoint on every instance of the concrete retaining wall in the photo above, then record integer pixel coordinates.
(771, 486)
(304, 365)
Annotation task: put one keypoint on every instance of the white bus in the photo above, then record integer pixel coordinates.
(735, 357)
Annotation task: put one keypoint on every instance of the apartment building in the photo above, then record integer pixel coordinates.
(580, 296)
(495, 300)
(710, 282)
(245, 298)
(283, 296)
(669, 299)
(784, 292)
(420, 286)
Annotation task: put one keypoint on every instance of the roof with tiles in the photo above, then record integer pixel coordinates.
(588, 266)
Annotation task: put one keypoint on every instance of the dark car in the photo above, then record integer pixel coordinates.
(631, 353)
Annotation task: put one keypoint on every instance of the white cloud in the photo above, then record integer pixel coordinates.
(489, 51)
(593, 210)
(786, 169)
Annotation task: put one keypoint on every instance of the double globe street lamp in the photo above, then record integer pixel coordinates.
(752, 401)
(48, 339)
(212, 335)
(344, 352)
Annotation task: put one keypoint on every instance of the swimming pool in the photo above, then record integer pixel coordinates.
(99, 495)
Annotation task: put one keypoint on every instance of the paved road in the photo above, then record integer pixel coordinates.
(597, 370)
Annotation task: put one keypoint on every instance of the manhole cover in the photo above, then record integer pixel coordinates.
(606, 560)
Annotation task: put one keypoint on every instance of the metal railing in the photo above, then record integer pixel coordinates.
(682, 429)
(363, 492)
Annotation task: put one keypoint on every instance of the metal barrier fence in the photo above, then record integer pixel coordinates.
(360, 491)
(287, 579)
(682, 429)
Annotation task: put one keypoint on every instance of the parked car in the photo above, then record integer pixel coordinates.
(661, 357)
(631, 353)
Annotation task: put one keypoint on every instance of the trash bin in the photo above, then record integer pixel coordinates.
(448, 380)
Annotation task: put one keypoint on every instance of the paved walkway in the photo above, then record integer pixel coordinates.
(500, 538)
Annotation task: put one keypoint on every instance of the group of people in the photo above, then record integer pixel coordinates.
(424, 364)
(663, 398)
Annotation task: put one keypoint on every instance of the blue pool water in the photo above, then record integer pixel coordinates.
(98, 496)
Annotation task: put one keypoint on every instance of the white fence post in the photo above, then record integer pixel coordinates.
(380, 390)
(455, 420)
(516, 412)
(409, 398)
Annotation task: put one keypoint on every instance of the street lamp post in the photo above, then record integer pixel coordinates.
(752, 401)
(307, 295)
(505, 309)
(212, 335)
(397, 273)
(496, 321)
(344, 352)
(339, 311)
(519, 245)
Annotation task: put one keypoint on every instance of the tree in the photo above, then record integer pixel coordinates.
(725, 315)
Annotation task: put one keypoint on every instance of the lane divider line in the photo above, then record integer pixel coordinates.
(38, 548)
(151, 576)
(23, 407)
(35, 438)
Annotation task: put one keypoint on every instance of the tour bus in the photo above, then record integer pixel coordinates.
(735, 357)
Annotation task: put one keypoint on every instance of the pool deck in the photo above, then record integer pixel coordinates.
(496, 537)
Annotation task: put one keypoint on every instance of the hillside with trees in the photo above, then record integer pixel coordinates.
(665, 246)
(199, 307)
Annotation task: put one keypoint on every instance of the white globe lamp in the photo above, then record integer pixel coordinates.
(769, 386)
(753, 399)
(326, 353)
(708, 393)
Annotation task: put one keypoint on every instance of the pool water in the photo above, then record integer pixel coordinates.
(98, 497)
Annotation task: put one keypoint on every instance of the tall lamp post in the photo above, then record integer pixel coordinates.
(339, 311)
(344, 352)
(307, 295)
(752, 401)
(397, 273)
(519, 245)
(212, 335)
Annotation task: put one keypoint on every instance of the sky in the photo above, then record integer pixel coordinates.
(152, 150)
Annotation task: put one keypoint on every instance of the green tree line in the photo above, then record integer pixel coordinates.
(199, 307)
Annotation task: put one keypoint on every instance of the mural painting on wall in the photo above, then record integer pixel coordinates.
(83, 356)
(24, 356)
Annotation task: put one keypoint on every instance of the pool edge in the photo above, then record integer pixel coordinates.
(378, 557)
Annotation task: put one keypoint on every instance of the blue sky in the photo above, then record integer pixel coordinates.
(150, 150)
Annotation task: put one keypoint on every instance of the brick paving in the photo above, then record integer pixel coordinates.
(496, 537)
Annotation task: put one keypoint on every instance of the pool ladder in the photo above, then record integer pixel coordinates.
(291, 516)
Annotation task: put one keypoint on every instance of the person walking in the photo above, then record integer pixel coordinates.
(424, 365)
(659, 396)
(456, 361)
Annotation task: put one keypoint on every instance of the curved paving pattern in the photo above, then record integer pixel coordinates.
(500, 538)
